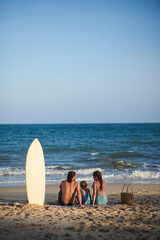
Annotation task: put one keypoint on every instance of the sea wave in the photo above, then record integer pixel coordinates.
(50, 170)
(57, 167)
(119, 164)
(81, 171)
(146, 174)
(12, 182)
(94, 154)
(10, 171)
(135, 175)
(55, 174)
(123, 164)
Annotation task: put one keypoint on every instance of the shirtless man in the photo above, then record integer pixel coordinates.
(68, 191)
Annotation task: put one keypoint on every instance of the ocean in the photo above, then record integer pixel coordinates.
(122, 152)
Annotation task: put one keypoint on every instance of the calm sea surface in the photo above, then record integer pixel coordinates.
(123, 152)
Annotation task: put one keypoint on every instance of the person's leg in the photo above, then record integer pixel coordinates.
(63, 204)
(70, 204)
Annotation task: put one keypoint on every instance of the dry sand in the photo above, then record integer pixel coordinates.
(141, 220)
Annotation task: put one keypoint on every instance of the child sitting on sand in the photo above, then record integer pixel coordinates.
(86, 196)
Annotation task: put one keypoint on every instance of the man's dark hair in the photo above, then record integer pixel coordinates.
(71, 174)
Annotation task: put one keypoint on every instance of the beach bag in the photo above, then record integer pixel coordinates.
(127, 197)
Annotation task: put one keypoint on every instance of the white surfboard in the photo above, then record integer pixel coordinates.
(35, 174)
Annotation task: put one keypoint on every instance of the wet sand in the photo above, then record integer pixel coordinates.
(141, 220)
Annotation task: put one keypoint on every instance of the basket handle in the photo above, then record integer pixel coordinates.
(131, 188)
(124, 186)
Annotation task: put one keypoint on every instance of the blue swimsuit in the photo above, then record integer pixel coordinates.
(86, 197)
(101, 200)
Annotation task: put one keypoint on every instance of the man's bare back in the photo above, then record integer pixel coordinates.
(69, 188)
(68, 191)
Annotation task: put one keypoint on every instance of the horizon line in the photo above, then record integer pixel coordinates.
(78, 123)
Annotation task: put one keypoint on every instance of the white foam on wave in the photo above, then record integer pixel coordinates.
(134, 175)
(94, 154)
(52, 167)
(124, 163)
(87, 179)
(56, 172)
(78, 171)
(57, 166)
(87, 171)
(13, 182)
(13, 175)
(109, 176)
(146, 174)
(83, 175)
(11, 171)
(52, 170)
(145, 165)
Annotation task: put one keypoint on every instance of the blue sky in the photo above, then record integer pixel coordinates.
(79, 61)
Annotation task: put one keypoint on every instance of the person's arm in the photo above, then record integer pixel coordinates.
(79, 194)
(94, 193)
(60, 186)
(60, 193)
(89, 192)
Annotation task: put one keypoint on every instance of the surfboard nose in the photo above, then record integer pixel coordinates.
(36, 140)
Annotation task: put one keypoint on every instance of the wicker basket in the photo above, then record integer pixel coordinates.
(127, 197)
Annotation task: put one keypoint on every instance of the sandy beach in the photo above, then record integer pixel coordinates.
(19, 220)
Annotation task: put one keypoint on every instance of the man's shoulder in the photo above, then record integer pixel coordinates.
(77, 184)
(63, 181)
